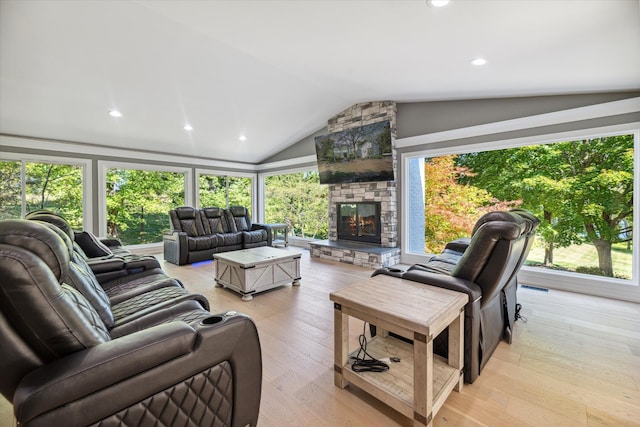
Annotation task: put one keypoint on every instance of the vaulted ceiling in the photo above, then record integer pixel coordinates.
(275, 71)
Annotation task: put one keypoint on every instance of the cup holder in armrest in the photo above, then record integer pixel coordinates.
(212, 320)
(395, 270)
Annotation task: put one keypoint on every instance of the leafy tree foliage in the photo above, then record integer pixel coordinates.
(239, 191)
(135, 196)
(55, 187)
(212, 191)
(224, 191)
(451, 208)
(583, 190)
(11, 189)
(299, 201)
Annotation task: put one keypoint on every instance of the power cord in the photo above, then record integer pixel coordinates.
(518, 315)
(361, 363)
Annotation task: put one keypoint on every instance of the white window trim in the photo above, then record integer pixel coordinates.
(102, 185)
(608, 287)
(87, 179)
(252, 176)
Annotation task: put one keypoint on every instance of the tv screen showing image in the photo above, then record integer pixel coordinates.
(361, 154)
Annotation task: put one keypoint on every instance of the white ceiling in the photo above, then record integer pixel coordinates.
(277, 70)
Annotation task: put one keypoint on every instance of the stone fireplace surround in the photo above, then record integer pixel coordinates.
(363, 254)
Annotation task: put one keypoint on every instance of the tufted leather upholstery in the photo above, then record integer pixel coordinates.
(253, 235)
(484, 267)
(199, 233)
(114, 261)
(206, 400)
(119, 281)
(61, 365)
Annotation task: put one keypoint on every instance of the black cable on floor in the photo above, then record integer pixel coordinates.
(361, 363)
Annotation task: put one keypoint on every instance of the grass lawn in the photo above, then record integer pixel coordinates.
(585, 255)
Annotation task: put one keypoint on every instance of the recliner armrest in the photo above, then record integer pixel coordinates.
(111, 242)
(79, 374)
(176, 249)
(99, 266)
(447, 282)
(458, 245)
(255, 226)
(149, 366)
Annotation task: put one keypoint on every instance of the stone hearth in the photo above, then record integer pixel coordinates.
(355, 253)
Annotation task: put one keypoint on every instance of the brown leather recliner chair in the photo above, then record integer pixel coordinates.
(485, 268)
(61, 365)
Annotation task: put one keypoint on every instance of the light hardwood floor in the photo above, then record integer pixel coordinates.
(576, 361)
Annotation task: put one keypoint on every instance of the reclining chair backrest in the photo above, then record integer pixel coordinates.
(493, 256)
(53, 218)
(187, 219)
(42, 318)
(79, 274)
(214, 221)
(60, 223)
(238, 218)
(533, 223)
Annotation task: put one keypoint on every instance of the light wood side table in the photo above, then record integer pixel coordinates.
(279, 234)
(419, 384)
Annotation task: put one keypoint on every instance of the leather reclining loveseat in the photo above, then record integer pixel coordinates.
(107, 257)
(484, 267)
(197, 234)
(70, 356)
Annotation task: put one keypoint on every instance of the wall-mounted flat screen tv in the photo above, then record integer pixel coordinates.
(361, 154)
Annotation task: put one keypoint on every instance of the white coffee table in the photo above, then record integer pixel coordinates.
(248, 271)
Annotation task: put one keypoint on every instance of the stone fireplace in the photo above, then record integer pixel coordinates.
(362, 250)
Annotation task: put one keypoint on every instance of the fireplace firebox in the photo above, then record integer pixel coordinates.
(359, 221)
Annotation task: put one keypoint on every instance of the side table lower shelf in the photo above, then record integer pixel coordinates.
(395, 386)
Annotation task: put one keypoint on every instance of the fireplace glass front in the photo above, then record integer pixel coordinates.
(359, 221)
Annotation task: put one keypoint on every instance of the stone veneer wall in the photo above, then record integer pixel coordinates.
(382, 191)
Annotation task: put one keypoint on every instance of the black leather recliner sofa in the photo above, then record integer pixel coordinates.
(172, 363)
(198, 234)
(106, 257)
(484, 267)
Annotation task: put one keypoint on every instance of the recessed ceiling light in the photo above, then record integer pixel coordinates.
(478, 61)
(115, 113)
(437, 3)
(188, 127)
(242, 138)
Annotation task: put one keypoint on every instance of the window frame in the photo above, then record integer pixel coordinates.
(87, 179)
(568, 281)
(103, 165)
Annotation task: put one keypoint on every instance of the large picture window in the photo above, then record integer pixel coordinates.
(138, 202)
(298, 200)
(30, 185)
(582, 190)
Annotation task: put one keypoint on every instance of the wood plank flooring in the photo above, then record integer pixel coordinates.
(575, 362)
